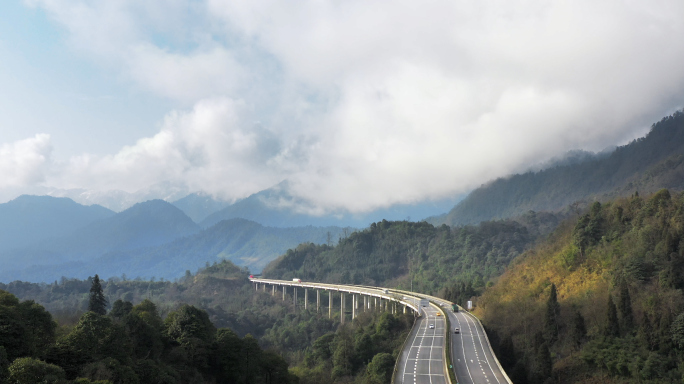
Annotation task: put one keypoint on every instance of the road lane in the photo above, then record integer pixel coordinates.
(470, 352)
(423, 362)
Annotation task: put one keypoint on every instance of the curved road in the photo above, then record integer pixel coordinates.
(470, 352)
(422, 360)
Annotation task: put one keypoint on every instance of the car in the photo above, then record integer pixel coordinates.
(432, 326)
(439, 314)
(456, 330)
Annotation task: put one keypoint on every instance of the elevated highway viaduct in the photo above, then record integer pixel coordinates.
(423, 358)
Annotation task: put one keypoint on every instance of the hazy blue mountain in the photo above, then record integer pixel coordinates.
(646, 165)
(28, 220)
(276, 207)
(147, 224)
(244, 242)
(199, 205)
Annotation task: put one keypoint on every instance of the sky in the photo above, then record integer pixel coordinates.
(358, 104)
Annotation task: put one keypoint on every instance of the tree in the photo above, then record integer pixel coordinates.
(97, 302)
(612, 324)
(579, 329)
(507, 356)
(191, 328)
(4, 364)
(677, 331)
(27, 370)
(543, 365)
(274, 368)
(228, 358)
(625, 308)
(379, 370)
(551, 317)
(120, 309)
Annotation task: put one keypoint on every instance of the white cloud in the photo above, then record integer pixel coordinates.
(365, 103)
(213, 148)
(24, 163)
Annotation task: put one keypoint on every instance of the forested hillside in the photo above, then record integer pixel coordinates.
(198, 329)
(600, 301)
(131, 344)
(646, 164)
(401, 253)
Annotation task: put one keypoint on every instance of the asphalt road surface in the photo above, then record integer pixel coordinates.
(422, 355)
(472, 359)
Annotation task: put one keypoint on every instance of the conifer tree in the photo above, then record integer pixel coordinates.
(579, 329)
(612, 325)
(551, 318)
(98, 302)
(625, 308)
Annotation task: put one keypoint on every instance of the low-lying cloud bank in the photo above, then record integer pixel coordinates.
(362, 104)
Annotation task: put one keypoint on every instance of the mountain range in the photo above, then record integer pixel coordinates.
(153, 238)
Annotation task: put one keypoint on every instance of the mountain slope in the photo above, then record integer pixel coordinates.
(617, 273)
(199, 205)
(28, 220)
(147, 224)
(243, 242)
(555, 188)
(401, 253)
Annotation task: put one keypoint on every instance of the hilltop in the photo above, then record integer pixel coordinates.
(646, 164)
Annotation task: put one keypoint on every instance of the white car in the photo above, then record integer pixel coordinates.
(432, 326)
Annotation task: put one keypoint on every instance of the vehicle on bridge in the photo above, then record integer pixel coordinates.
(456, 330)
(454, 308)
(296, 280)
(432, 326)
(425, 303)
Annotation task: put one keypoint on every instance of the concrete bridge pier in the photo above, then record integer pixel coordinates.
(354, 305)
(330, 299)
(306, 298)
(257, 287)
(273, 286)
(284, 288)
(342, 307)
(294, 297)
(318, 301)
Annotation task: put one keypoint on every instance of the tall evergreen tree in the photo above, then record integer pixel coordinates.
(552, 314)
(98, 302)
(612, 324)
(579, 329)
(625, 309)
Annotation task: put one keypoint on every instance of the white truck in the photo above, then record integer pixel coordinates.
(296, 280)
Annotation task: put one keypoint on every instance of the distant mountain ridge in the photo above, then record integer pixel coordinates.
(244, 242)
(199, 205)
(28, 220)
(147, 224)
(277, 207)
(623, 171)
